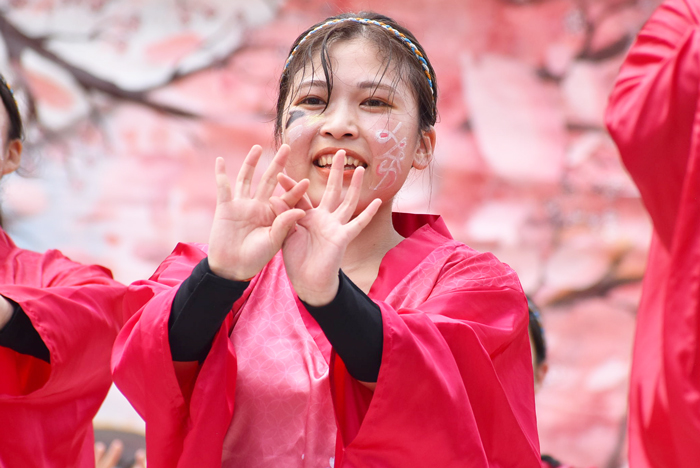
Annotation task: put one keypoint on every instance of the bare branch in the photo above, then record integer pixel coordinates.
(17, 42)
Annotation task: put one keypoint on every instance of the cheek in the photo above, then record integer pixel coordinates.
(390, 155)
(300, 128)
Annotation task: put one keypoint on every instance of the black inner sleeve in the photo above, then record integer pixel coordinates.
(20, 335)
(199, 308)
(352, 322)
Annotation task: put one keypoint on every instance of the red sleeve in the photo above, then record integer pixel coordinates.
(463, 356)
(654, 118)
(187, 408)
(653, 107)
(76, 309)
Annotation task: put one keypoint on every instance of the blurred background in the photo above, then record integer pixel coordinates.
(128, 102)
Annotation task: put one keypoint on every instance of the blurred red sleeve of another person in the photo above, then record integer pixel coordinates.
(654, 118)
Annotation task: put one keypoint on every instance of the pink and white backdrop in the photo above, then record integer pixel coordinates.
(128, 103)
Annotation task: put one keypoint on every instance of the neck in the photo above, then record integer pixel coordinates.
(366, 251)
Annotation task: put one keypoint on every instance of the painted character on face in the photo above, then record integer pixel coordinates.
(390, 166)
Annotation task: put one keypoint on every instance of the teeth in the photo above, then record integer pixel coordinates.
(327, 161)
(350, 161)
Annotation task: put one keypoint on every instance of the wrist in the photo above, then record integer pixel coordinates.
(6, 311)
(229, 274)
(319, 297)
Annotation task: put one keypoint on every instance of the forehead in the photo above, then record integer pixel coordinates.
(352, 59)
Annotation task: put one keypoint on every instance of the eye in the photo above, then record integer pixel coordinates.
(375, 102)
(311, 101)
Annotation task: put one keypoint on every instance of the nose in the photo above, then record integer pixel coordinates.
(339, 121)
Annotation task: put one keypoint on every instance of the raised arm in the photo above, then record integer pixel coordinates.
(246, 233)
(653, 108)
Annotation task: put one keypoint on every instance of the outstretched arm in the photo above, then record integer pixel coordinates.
(653, 107)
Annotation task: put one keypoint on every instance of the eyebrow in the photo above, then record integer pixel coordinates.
(312, 83)
(376, 85)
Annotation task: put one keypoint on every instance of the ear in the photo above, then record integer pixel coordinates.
(12, 157)
(540, 373)
(424, 153)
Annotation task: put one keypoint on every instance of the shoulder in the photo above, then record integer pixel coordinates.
(470, 267)
(53, 268)
(181, 261)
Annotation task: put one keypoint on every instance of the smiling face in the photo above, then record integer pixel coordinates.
(371, 114)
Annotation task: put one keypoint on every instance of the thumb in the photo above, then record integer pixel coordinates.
(283, 223)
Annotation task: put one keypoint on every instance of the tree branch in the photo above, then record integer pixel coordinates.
(17, 42)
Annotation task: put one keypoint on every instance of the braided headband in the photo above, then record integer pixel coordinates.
(9, 88)
(398, 34)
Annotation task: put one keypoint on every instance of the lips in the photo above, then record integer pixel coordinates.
(324, 159)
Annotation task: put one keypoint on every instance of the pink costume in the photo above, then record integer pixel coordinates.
(46, 410)
(654, 117)
(455, 386)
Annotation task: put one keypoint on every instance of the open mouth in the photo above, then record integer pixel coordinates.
(351, 163)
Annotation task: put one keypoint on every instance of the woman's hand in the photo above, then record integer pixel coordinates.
(6, 310)
(246, 232)
(313, 252)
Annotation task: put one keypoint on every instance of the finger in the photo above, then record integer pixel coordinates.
(295, 196)
(245, 175)
(331, 195)
(361, 221)
(99, 451)
(268, 182)
(113, 454)
(223, 185)
(140, 456)
(278, 205)
(283, 224)
(287, 183)
(352, 197)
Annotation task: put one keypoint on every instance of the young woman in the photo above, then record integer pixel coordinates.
(318, 328)
(58, 320)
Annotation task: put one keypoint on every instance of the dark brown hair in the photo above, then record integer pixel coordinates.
(407, 64)
(536, 332)
(15, 131)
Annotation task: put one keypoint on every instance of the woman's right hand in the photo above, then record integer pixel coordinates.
(246, 233)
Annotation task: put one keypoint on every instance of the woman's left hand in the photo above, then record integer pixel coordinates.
(313, 252)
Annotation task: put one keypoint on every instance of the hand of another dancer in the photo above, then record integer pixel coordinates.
(6, 310)
(246, 232)
(313, 252)
(110, 457)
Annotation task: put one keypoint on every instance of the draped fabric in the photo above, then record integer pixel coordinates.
(654, 118)
(46, 410)
(455, 385)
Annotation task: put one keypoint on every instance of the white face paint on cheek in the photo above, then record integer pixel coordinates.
(389, 166)
(305, 125)
(294, 133)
